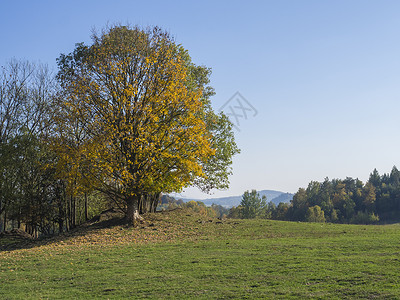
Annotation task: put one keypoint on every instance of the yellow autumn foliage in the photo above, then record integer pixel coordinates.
(131, 122)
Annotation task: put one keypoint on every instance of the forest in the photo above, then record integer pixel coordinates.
(337, 201)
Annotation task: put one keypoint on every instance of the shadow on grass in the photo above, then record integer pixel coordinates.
(106, 220)
(17, 239)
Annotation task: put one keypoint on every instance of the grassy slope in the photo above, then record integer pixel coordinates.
(183, 255)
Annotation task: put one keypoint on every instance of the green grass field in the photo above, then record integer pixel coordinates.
(183, 255)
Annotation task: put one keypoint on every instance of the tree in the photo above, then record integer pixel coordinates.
(235, 212)
(315, 214)
(253, 206)
(27, 93)
(38, 191)
(369, 196)
(375, 178)
(144, 109)
(395, 177)
(220, 211)
(299, 205)
(364, 218)
(281, 212)
(342, 201)
(313, 190)
(270, 211)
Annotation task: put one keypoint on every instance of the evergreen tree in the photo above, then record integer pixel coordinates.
(253, 206)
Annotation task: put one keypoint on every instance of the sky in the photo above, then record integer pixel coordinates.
(318, 81)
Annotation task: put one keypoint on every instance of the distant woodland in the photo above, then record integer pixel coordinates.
(338, 201)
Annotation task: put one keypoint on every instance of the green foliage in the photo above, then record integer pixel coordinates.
(169, 203)
(300, 205)
(281, 211)
(364, 218)
(221, 211)
(369, 196)
(334, 217)
(315, 214)
(349, 200)
(338, 201)
(36, 191)
(253, 206)
(235, 212)
(270, 211)
(30, 193)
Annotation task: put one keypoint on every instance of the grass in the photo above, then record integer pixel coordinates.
(183, 255)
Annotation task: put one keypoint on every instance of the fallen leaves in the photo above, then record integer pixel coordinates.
(168, 226)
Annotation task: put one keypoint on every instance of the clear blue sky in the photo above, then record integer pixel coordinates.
(323, 75)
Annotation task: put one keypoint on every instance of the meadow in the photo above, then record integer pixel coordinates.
(181, 254)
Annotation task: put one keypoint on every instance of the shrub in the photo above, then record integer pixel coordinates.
(315, 214)
(364, 218)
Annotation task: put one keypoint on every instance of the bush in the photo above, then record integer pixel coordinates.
(364, 218)
(315, 214)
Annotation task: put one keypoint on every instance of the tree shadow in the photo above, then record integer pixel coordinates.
(17, 239)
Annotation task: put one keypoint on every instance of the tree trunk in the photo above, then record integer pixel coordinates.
(145, 201)
(5, 221)
(140, 205)
(60, 219)
(86, 208)
(132, 213)
(154, 201)
(60, 225)
(1, 219)
(19, 219)
(68, 213)
(73, 212)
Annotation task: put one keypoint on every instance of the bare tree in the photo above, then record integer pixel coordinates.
(26, 96)
(27, 93)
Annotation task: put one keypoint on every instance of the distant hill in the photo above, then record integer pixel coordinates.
(274, 196)
(283, 198)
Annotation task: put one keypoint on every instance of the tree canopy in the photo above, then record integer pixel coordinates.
(143, 114)
(252, 205)
(339, 201)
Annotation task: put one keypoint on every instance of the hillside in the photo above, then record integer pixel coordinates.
(180, 254)
(274, 196)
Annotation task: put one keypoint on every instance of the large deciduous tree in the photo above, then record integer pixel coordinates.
(144, 118)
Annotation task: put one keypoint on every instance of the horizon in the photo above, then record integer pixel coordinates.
(209, 198)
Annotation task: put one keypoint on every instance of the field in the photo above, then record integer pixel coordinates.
(183, 255)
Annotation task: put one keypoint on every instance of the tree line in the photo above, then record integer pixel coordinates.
(338, 201)
(123, 120)
(213, 211)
